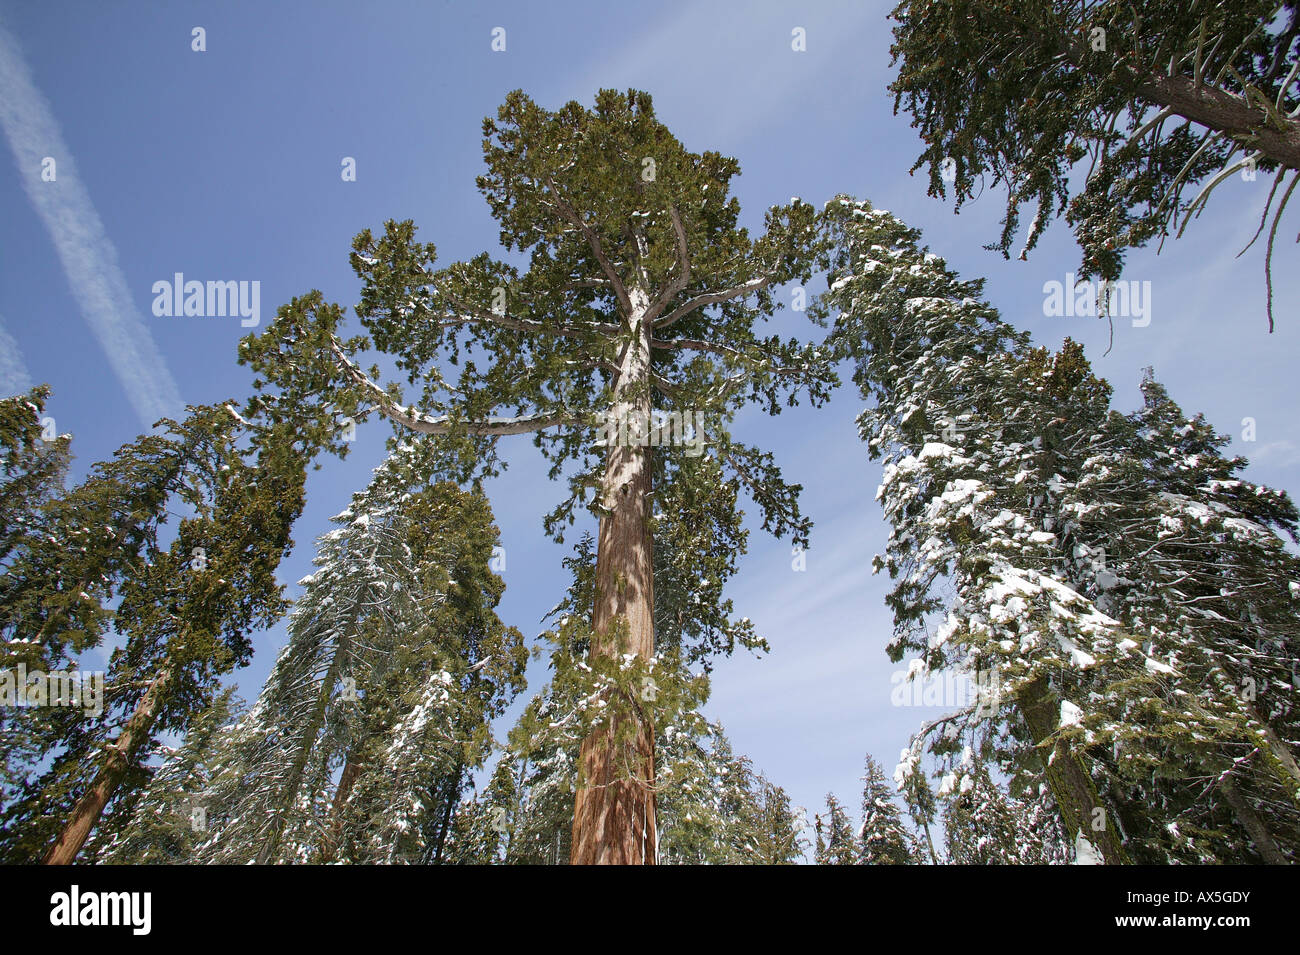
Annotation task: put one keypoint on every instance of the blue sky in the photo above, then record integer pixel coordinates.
(225, 165)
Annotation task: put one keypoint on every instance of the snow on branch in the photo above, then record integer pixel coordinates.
(743, 290)
(445, 424)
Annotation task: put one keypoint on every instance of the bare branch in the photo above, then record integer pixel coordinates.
(444, 424)
(683, 276)
(713, 298)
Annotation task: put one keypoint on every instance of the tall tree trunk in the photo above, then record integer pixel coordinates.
(347, 780)
(1072, 787)
(450, 796)
(1251, 822)
(91, 806)
(614, 808)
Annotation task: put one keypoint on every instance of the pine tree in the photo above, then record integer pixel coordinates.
(998, 460)
(167, 819)
(1172, 540)
(777, 827)
(32, 472)
(834, 834)
(985, 825)
(183, 608)
(378, 708)
(638, 316)
(32, 469)
(882, 839)
(1156, 97)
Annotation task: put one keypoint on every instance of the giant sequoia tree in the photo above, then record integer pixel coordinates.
(626, 347)
(1150, 99)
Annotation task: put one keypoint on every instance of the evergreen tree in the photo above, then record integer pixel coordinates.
(32, 472)
(780, 836)
(985, 825)
(168, 817)
(1172, 540)
(712, 808)
(1154, 97)
(378, 708)
(835, 843)
(639, 314)
(999, 461)
(882, 840)
(183, 608)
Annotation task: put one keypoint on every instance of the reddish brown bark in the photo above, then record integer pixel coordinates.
(90, 807)
(347, 780)
(614, 809)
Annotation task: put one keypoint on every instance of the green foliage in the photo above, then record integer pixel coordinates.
(1148, 99)
(173, 545)
(1113, 574)
(379, 708)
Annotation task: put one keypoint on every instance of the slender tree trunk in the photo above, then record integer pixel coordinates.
(90, 807)
(1251, 822)
(929, 841)
(347, 779)
(1076, 796)
(450, 796)
(614, 809)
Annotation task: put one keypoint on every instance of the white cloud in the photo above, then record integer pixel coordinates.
(1278, 454)
(678, 58)
(14, 378)
(88, 256)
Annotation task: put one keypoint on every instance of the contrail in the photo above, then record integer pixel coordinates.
(88, 256)
(14, 378)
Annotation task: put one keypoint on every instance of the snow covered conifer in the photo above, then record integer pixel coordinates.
(993, 453)
(395, 665)
(882, 839)
(834, 835)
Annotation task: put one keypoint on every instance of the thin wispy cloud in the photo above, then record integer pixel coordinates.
(738, 104)
(14, 378)
(88, 257)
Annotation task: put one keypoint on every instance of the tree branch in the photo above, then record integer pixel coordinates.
(593, 240)
(443, 424)
(683, 276)
(713, 298)
(477, 316)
